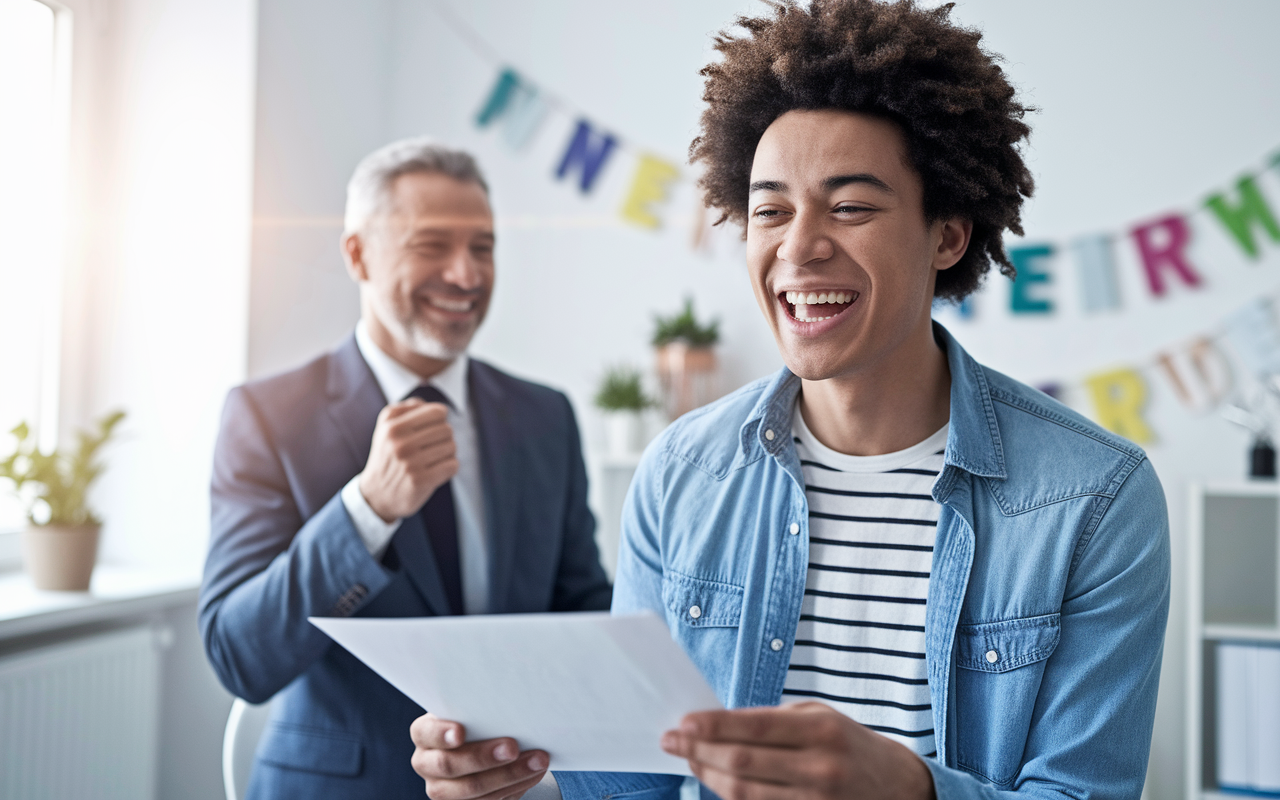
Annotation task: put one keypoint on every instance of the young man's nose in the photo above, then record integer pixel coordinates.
(805, 239)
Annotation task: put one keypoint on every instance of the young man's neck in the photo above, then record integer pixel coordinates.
(892, 406)
(420, 365)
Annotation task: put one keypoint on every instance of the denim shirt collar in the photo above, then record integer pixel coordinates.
(973, 443)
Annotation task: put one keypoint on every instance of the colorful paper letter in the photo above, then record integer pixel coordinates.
(500, 95)
(1239, 219)
(517, 104)
(1253, 335)
(1157, 256)
(648, 188)
(1118, 399)
(588, 150)
(1199, 374)
(1025, 260)
(1097, 266)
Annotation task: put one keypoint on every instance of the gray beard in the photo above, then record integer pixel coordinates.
(418, 340)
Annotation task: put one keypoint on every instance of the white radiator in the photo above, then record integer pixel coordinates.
(78, 719)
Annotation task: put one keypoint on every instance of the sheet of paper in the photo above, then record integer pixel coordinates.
(595, 691)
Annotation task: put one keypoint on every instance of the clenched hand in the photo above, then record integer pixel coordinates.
(413, 454)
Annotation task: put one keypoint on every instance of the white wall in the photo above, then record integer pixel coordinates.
(1146, 107)
(157, 283)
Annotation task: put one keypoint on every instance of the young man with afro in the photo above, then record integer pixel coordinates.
(905, 574)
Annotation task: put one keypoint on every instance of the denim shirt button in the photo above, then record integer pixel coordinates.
(695, 612)
(795, 528)
(769, 435)
(776, 645)
(992, 656)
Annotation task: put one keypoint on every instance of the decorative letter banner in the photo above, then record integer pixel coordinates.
(518, 107)
(1160, 244)
(1025, 261)
(1239, 219)
(1097, 266)
(1119, 397)
(588, 151)
(649, 187)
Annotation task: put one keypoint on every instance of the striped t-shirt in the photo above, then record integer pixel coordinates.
(860, 642)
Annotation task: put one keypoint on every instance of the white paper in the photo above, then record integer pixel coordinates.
(595, 691)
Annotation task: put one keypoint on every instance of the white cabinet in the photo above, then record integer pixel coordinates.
(1233, 593)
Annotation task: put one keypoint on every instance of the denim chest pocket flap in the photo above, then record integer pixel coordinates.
(1002, 646)
(701, 603)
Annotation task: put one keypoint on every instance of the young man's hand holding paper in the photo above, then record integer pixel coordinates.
(594, 692)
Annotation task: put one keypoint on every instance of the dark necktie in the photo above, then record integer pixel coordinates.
(442, 527)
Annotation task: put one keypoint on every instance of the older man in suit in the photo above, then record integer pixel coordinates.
(391, 477)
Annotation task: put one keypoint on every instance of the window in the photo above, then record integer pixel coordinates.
(32, 184)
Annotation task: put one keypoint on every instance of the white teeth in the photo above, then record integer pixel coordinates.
(449, 305)
(813, 298)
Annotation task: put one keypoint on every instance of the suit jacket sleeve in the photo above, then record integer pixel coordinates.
(268, 569)
(581, 584)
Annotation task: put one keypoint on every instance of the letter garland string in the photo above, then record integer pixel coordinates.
(516, 107)
(1196, 369)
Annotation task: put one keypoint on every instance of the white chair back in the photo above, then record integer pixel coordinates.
(239, 742)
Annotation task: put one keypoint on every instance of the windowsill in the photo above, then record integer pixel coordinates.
(115, 592)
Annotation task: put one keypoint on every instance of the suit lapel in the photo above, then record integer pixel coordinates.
(354, 399)
(501, 487)
(354, 404)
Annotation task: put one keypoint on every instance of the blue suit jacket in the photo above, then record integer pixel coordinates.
(283, 548)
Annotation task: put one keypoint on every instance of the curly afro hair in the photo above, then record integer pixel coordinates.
(959, 114)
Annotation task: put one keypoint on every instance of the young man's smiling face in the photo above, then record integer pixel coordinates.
(842, 260)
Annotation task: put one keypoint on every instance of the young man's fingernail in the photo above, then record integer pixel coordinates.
(504, 752)
(451, 737)
(538, 763)
(690, 727)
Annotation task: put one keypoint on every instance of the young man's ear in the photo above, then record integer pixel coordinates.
(353, 254)
(953, 240)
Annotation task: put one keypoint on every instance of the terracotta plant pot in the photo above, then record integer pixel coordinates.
(687, 376)
(60, 557)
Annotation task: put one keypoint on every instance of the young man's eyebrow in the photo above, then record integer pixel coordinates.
(768, 186)
(836, 181)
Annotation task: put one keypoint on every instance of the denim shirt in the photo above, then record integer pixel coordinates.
(1047, 600)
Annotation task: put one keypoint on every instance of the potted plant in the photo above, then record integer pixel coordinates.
(686, 360)
(622, 399)
(60, 544)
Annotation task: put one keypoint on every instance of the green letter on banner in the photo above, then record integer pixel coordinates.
(1239, 219)
(1025, 261)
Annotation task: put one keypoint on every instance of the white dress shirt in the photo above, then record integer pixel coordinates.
(396, 382)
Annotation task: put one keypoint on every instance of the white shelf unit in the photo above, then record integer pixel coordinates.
(1233, 595)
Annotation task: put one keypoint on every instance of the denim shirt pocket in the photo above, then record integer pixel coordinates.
(1000, 665)
(703, 616)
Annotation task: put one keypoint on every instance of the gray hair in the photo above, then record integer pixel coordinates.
(369, 189)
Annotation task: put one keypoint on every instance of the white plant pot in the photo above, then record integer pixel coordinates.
(623, 433)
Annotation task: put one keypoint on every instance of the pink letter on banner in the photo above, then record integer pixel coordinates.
(1161, 244)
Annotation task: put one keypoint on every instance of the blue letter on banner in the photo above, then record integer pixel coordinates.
(588, 150)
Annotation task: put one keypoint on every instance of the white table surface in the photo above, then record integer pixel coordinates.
(115, 592)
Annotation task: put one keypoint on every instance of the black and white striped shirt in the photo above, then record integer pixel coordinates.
(860, 642)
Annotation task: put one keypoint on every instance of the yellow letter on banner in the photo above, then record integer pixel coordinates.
(653, 178)
(1119, 397)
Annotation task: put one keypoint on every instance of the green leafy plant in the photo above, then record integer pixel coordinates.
(684, 327)
(59, 481)
(621, 391)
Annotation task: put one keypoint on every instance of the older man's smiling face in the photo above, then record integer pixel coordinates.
(428, 265)
(842, 260)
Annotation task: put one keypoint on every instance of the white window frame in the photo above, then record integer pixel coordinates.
(49, 393)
